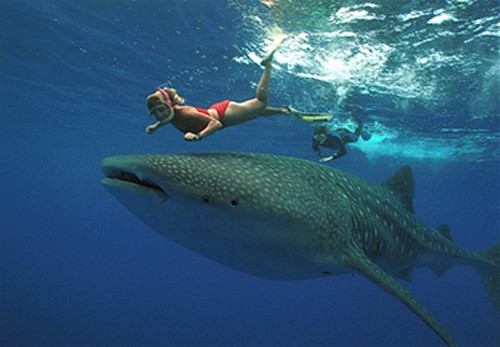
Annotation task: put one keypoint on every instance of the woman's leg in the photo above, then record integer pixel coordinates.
(270, 111)
(237, 113)
(262, 93)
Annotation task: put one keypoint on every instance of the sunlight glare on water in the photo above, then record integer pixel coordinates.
(420, 60)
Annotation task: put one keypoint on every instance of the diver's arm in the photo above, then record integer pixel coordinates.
(315, 147)
(341, 152)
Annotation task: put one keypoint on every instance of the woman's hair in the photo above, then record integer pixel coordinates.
(154, 98)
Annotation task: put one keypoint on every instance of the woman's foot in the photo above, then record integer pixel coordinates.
(290, 111)
(315, 118)
(268, 58)
(308, 117)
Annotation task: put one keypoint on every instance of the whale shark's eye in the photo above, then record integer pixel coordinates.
(234, 202)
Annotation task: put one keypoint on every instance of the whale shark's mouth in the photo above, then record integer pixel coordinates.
(133, 178)
(128, 179)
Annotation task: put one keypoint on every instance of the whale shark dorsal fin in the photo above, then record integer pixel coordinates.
(355, 258)
(444, 229)
(402, 185)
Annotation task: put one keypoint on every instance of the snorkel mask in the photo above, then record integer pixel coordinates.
(164, 112)
(321, 138)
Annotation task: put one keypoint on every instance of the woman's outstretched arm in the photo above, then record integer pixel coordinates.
(212, 126)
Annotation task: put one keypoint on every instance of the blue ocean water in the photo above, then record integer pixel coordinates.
(78, 269)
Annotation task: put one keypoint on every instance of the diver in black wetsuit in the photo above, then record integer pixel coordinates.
(336, 140)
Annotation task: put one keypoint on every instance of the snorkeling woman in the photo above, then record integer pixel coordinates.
(164, 106)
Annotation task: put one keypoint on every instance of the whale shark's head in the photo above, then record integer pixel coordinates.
(244, 210)
(235, 181)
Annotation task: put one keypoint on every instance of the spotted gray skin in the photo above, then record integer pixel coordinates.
(288, 219)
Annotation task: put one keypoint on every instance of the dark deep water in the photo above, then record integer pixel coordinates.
(78, 269)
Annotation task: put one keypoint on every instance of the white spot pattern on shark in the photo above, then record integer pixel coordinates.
(288, 219)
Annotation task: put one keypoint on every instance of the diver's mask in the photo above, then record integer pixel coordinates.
(163, 112)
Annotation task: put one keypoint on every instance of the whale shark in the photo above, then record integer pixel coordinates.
(284, 218)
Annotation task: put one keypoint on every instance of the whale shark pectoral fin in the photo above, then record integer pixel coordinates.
(356, 259)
